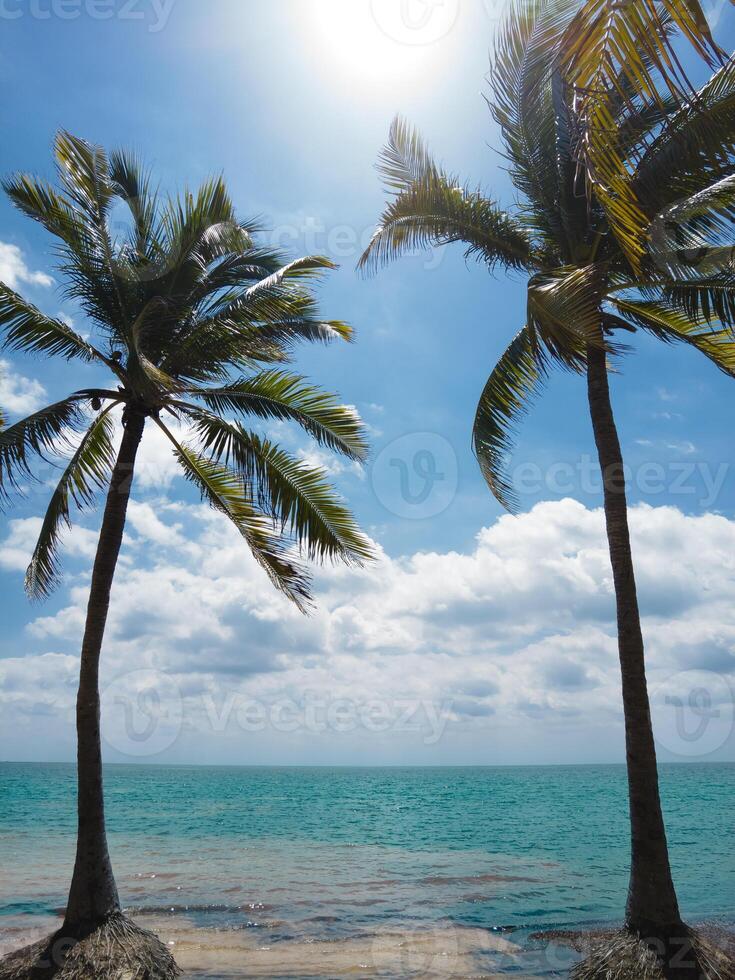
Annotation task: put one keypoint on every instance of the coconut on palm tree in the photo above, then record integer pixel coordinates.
(193, 322)
(585, 289)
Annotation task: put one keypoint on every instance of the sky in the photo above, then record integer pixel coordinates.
(477, 638)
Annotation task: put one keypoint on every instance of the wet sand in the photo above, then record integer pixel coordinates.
(227, 954)
(445, 951)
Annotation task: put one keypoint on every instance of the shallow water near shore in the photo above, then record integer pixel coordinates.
(376, 872)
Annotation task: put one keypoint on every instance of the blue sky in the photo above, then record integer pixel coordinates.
(291, 101)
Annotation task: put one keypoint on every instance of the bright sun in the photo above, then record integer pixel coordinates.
(380, 40)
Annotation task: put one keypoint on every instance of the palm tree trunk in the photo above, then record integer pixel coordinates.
(652, 909)
(93, 894)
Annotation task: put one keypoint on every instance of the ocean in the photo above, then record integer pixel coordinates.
(321, 872)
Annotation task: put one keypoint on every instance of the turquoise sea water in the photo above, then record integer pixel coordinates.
(334, 854)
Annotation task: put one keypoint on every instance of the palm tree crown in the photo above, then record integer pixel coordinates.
(582, 286)
(194, 322)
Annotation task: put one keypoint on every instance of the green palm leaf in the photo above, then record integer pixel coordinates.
(88, 471)
(515, 380)
(43, 432)
(670, 324)
(282, 396)
(564, 312)
(27, 329)
(711, 298)
(431, 208)
(308, 267)
(523, 80)
(695, 147)
(292, 492)
(227, 492)
(609, 50)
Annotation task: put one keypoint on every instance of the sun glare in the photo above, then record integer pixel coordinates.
(374, 40)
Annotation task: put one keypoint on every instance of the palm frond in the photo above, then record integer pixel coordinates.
(38, 200)
(564, 312)
(84, 173)
(534, 121)
(610, 49)
(293, 492)
(45, 431)
(433, 209)
(695, 237)
(132, 184)
(88, 471)
(515, 379)
(669, 324)
(694, 149)
(239, 331)
(710, 298)
(26, 328)
(307, 267)
(282, 396)
(226, 491)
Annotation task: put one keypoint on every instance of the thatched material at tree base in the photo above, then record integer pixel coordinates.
(698, 954)
(116, 950)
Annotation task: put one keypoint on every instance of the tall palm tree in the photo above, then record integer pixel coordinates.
(195, 322)
(583, 291)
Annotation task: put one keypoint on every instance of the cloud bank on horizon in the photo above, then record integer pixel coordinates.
(503, 654)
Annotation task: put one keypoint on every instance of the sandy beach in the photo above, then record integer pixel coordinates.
(226, 954)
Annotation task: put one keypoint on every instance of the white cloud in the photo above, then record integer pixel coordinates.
(686, 447)
(512, 644)
(332, 464)
(19, 395)
(156, 467)
(14, 270)
(17, 548)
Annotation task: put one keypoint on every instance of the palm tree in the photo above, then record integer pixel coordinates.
(608, 50)
(195, 322)
(583, 290)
